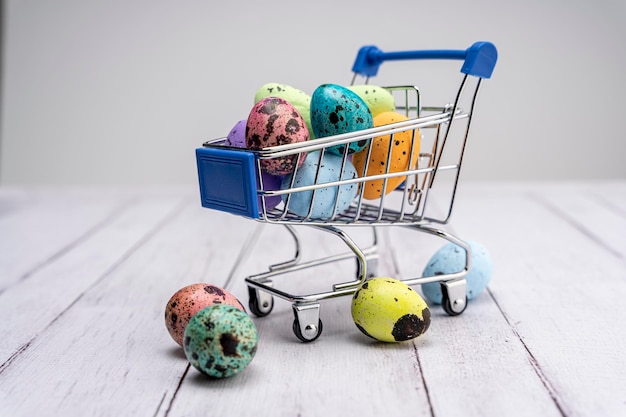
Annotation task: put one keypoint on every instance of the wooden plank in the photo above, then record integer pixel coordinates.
(109, 352)
(600, 214)
(473, 362)
(525, 347)
(40, 298)
(560, 291)
(38, 226)
(343, 370)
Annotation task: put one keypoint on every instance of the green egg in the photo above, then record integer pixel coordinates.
(378, 99)
(220, 340)
(297, 98)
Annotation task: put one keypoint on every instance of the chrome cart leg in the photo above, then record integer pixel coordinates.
(371, 259)
(361, 258)
(296, 256)
(371, 267)
(307, 325)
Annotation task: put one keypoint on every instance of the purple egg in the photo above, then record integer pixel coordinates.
(270, 183)
(237, 137)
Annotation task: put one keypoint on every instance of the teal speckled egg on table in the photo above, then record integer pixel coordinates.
(336, 110)
(220, 341)
(450, 259)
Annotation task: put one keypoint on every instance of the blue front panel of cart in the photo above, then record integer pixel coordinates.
(228, 181)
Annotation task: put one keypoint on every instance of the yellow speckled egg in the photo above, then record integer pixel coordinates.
(379, 157)
(388, 310)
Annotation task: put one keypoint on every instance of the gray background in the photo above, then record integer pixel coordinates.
(122, 92)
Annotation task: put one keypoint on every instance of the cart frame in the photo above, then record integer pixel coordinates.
(231, 180)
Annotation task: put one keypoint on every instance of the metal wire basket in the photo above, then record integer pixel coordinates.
(231, 180)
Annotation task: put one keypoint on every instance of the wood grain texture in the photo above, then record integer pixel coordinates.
(343, 370)
(39, 226)
(86, 275)
(108, 353)
(560, 284)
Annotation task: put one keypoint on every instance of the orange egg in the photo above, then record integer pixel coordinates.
(379, 157)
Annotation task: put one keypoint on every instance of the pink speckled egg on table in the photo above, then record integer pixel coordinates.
(188, 301)
(274, 121)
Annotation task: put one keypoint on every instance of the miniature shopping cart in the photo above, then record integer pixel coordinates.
(230, 180)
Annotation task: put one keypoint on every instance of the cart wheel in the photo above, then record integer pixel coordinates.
(455, 306)
(307, 325)
(312, 332)
(454, 309)
(260, 303)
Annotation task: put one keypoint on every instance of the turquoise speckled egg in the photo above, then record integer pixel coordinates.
(451, 258)
(321, 200)
(220, 341)
(336, 110)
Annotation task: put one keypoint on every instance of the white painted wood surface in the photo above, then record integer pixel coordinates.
(85, 276)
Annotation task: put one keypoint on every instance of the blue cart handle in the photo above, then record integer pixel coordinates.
(479, 59)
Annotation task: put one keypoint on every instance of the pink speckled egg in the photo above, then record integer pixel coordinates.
(188, 301)
(274, 121)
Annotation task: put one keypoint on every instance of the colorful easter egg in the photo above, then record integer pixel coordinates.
(237, 135)
(187, 301)
(220, 341)
(272, 122)
(237, 138)
(326, 201)
(388, 154)
(378, 99)
(451, 259)
(336, 110)
(388, 310)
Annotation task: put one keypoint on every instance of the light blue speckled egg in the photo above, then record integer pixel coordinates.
(220, 340)
(451, 258)
(336, 110)
(322, 200)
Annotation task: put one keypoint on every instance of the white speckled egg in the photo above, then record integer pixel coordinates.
(321, 201)
(336, 110)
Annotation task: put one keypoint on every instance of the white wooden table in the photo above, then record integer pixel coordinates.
(85, 276)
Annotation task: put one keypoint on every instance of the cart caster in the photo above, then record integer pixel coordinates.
(307, 325)
(260, 302)
(454, 301)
